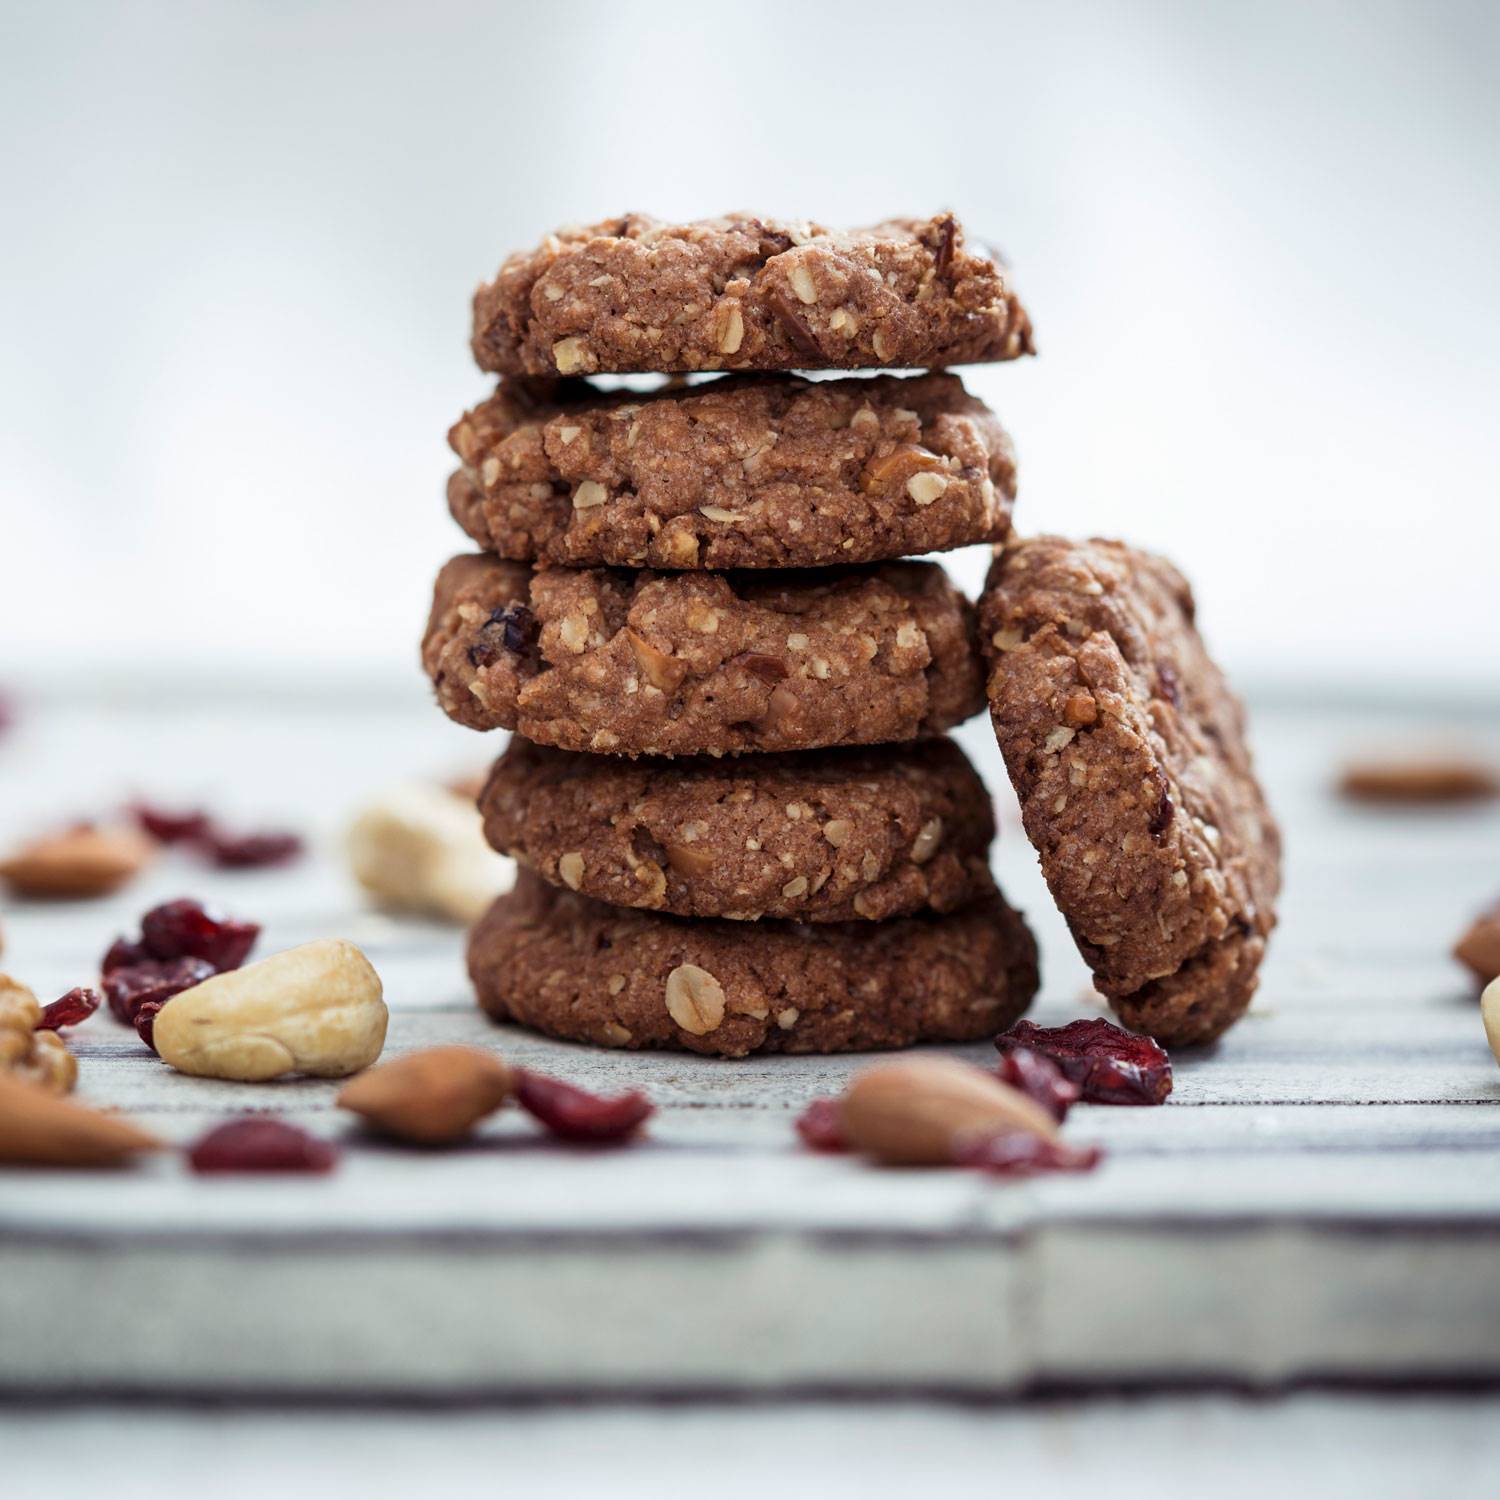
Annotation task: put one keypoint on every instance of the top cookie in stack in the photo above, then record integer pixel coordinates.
(634, 294)
(622, 607)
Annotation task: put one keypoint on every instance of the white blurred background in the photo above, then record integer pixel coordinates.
(1258, 241)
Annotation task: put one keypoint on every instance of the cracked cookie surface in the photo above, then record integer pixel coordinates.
(650, 663)
(742, 472)
(583, 971)
(1127, 750)
(742, 293)
(824, 836)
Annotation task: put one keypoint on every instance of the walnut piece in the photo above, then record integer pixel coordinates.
(34, 1056)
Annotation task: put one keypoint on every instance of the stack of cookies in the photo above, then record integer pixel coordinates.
(739, 824)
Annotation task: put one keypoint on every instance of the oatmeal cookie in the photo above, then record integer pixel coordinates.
(744, 472)
(702, 663)
(1127, 750)
(825, 836)
(742, 293)
(587, 972)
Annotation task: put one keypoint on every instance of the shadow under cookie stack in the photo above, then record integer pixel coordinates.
(739, 825)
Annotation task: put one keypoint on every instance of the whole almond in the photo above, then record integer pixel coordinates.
(1479, 948)
(430, 1097)
(76, 864)
(1421, 777)
(909, 1113)
(39, 1129)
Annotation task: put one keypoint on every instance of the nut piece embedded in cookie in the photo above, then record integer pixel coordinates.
(649, 663)
(739, 293)
(695, 999)
(1127, 750)
(743, 472)
(576, 969)
(316, 1009)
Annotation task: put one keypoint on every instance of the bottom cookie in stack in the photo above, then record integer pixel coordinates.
(578, 969)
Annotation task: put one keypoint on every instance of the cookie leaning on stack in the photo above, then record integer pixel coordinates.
(1127, 751)
(811, 896)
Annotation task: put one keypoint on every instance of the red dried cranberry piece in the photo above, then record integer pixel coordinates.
(144, 1020)
(1109, 1065)
(74, 1007)
(820, 1128)
(250, 851)
(574, 1114)
(122, 953)
(258, 1144)
(183, 929)
(1168, 684)
(512, 627)
(1019, 1153)
(1039, 1078)
(168, 827)
(135, 985)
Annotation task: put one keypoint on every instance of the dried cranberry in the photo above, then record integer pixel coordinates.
(1039, 1078)
(184, 929)
(1161, 814)
(943, 255)
(820, 1128)
(1168, 684)
(1019, 1153)
(1109, 1065)
(122, 953)
(171, 827)
(144, 1021)
(135, 985)
(512, 627)
(249, 851)
(74, 1007)
(258, 1144)
(769, 669)
(797, 331)
(574, 1114)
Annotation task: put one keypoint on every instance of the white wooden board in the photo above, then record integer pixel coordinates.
(1320, 1199)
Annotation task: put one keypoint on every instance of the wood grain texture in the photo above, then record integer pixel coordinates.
(1320, 1196)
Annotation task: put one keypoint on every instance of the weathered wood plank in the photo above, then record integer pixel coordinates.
(1321, 1195)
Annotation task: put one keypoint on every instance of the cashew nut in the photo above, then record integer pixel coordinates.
(420, 849)
(316, 1009)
